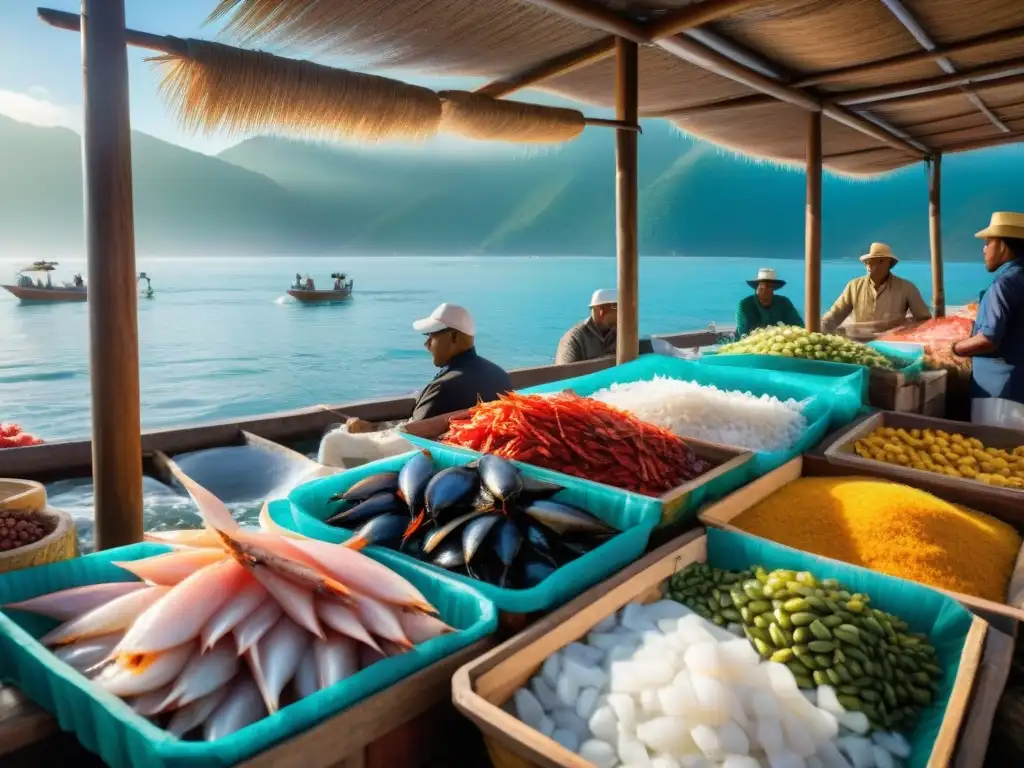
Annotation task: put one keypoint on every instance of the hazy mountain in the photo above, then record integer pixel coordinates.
(270, 195)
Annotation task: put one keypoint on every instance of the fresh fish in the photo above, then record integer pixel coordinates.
(214, 512)
(369, 656)
(113, 616)
(381, 503)
(295, 600)
(139, 673)
(195, 714)
(72, 603)
(392, 649)
(179, 615)
(383, 529)
(535, 571)
(242, 706)
(435, 537)
(539, 489)
(364, 574)
(275, 658)
(85, 654)
(336, 658)
(413, 479)
(380, 620)
(152, 703)
(507, 543)
(174, 567)
(232, 613)
(307, 676)
(344, 621)
(204, 673)
(248, 631)
(445, 489)
(201, 537)
(419, 628)
(475, 532)
(500, 477)
(369, 486)
(268, 525)
(541, 544)
(562, 519)
(450, 555)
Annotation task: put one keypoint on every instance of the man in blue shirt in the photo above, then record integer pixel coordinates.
(997, 343)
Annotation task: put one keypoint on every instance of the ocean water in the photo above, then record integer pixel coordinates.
(221, 338)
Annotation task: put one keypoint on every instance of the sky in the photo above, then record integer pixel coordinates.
(41, 70)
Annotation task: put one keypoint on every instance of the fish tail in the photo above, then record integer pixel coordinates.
(414, 525)
(356, 543)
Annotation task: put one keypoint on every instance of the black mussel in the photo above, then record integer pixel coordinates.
(433, 539)
(447, 489)
(535, 571)
(450, 555)
(483, 501)
(536, 488)
(562, 519)
(486, 567)
(475, 532)
(382, 482)
(384, 529)
(507, 542)
(413, 479)
(499, 477)
(376, 505)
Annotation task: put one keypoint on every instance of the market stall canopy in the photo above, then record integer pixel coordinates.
(896, 80)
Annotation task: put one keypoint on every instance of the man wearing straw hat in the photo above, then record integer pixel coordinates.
(595, 337)
(997, 343)
(879, 301)
(763, 307)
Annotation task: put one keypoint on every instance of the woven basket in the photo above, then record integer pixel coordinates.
(60, 544)
(21, 495)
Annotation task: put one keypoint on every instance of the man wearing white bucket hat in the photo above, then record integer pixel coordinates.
(997, 343)
(763, 307)
(879, 301)
(594, 337)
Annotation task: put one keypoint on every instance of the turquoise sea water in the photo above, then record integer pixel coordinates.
(221, 339)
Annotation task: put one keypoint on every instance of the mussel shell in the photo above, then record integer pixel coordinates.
(535, 571)
(536, 488)
(500, 477)
(506, 542)
(449, 487)
(370, 486)
(475, 532)
(384, 529)
(562, 518)
(484, 501)
(378, 504)
(450, 555)
(413, 479)
(486, 567)
(435, 537)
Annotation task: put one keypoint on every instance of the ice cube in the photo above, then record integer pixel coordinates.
(650, 703)
(665, 609)
(568, 720)
(605, 641)
(632, 752)
(712, 698)
(624, 707)
(763, 704)
(786, 759)
(664, 761)
(635, 676)
(737, 657)
(567, 739)
(587, 702)
(797, 738)
(666, 734)
(704, 659)
(781, 679)
(892, 742)
(769, 735)
(693, 629)
(855, 721)
(668, 626)
(883, 759)
(584, 675)
(734, 739)
(607, 624)
(740, 761)
(811, 696)
(828, 700)
(546, 725)
(544, 693)
(859, 750)
(707, 741)
(585, 654)
(551, 668)
(735, 706)
(634, 617)
(567, 689)
(600, 753)
(603, 724)
(679, 698)
(814, 762)
(528, 709)
(694, 761)
(831, 757)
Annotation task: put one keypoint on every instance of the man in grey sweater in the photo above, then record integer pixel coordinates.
(595, 336)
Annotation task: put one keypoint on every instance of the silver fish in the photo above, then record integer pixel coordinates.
(561, 518)
(500, 477)
(507, 543)
(378, 504)
(413, 479)
(435, 537)
(473, 535)
(382, 482)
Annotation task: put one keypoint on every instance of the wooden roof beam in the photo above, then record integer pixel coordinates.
(713, 107)
(73, 23)
(559, 65)
(699, 14)
(882, 66)
(595, 17)
(966, 146)
(915, 99)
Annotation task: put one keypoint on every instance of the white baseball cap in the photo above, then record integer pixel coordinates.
(447, 316)
(604, 296)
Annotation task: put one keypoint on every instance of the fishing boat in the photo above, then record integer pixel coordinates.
(307, 292)
(147, 292)
(39, 292)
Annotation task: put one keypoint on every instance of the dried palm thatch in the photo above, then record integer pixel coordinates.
(218, 88)
(481, 117)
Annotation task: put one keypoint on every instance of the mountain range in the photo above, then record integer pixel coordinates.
(271, 195)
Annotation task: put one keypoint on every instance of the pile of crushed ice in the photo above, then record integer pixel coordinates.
(657, 686)
(706, 412)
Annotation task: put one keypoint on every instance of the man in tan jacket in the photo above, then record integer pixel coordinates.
(879, 301)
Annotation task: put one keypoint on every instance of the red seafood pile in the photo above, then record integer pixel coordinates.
(12, 436)
(937, 336)
(580, 437)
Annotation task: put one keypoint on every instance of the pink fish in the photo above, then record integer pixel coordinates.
(275, 659)
(307, 676)
(68, 604)
(180, 615)
(242, 706)
(213, 511)
(336, 658)
(419, 627)
(152, 703)
(233, 612)
(257, 624)
(379, 619)
(136, 674)
(113, 616)
(204, 673)
(267, 524)
(85, 654)
(296, 601)
(344, 621)
(191, 538)
(174, 567)
(195, 714)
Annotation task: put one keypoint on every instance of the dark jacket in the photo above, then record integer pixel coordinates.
(466, 379)
(751, 314)
(585, 341)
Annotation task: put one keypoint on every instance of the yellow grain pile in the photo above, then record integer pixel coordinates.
(892, 529)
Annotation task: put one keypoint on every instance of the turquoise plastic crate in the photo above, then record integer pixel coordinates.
(106, 725)
(634, 515)
(816, 398)
(942, 618)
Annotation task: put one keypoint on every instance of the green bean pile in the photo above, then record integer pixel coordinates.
(823, 633)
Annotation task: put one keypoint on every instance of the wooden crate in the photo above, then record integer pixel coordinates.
(892, 391)
(482, 687)
(721, 514)
(391, 728)
(674, 502)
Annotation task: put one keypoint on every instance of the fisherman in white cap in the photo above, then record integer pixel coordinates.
(763, 307)
(465, 377)
(997, 343)
(594, 337)
(879, 301)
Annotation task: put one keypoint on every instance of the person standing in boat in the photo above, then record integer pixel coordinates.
(879, 301)
(595, 337)
(763, 307)
(997, 341)
(465, 377)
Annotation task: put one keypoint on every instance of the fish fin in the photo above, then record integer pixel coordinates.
(414, 525)
(356, 543)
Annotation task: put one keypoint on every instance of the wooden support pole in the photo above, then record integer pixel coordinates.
(935, 234)
(626, 107)
(812, 236)
(110, 246)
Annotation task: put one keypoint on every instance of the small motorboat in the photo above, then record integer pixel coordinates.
(305, 290)
(38, 292)
(147, 292)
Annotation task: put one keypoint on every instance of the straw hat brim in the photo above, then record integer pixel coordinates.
(1001, 230)
(889, 256)
(775, 283)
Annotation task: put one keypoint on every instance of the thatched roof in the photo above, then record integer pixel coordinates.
(740, 73)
